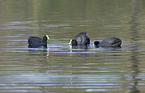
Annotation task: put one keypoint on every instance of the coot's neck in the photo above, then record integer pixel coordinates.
(74, 42)
(44, 41)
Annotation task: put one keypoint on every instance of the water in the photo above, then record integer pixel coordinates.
(61, 69)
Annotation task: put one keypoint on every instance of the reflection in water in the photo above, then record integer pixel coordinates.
(111, 48)
(134, 48)
(81, 47)
(44, 50)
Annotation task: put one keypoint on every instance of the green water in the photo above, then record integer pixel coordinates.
(61, 69)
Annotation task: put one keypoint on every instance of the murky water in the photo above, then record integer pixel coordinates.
(60, 68)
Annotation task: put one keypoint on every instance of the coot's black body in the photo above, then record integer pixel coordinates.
(37, 41)
(109, 42)
(80, 39)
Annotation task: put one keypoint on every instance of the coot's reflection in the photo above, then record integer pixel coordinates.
(80, 47)
(37, 47)
(41, 51)
(80, 50)
(109, 48)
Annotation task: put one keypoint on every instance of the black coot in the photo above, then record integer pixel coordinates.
(109, 42)
(80, 39)
(37, 41)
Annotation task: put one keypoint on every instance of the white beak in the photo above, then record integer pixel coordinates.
(47, 37)
(70, 41)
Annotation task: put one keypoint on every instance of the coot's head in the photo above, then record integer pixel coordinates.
(73, 42)
(45, 38)
(96, 43)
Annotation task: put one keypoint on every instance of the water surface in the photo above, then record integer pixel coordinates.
(60, 68)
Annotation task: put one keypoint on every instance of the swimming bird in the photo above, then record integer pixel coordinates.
(37, 41)
(109, 42)
(80, 39)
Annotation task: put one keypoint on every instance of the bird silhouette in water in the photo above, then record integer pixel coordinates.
(35, 42)
(109, 42)
(80, 39)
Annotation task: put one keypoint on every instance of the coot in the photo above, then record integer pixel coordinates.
(109, 42)
(37, 41)
(80, 39)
